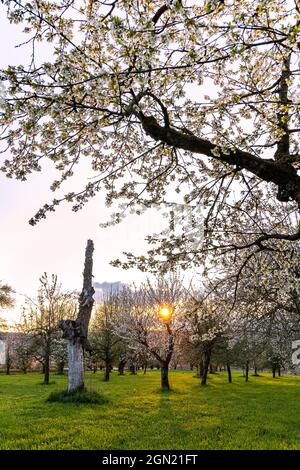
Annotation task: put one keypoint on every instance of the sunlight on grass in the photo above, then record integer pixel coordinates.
(260, 414)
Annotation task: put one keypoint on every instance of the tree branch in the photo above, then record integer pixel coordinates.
(282, 175)
(282, 153)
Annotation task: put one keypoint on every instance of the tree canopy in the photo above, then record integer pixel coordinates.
(197, 101)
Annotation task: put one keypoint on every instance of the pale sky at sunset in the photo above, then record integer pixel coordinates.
(56, 245)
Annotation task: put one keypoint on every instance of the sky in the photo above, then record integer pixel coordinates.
(57, 244)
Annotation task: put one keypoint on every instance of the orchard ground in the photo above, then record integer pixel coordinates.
(261, 414)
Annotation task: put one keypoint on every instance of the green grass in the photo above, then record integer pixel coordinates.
(84, 396)
(261, 414)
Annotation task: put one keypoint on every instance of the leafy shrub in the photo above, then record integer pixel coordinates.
(82, 396)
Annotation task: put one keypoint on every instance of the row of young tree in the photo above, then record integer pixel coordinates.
(161, 324)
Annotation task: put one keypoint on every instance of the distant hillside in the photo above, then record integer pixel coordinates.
(105, 288)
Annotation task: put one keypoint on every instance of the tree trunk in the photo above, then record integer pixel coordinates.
(107, 372)
(279, 372)
(274, 372)
(47, 368)
(121, 367)
(145, 368)
(165, 377)
(60, 368)
(206, 361)
(76, 331)
(76, 366)
(255, 371)
(8, 364)
(198, 372)
(247, 371)
(229, 373)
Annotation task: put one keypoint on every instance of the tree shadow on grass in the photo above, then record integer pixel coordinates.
(171, 391)
(52, 382)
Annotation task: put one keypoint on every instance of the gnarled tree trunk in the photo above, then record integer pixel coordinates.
(206, 361)
(76, 331)
(165, 376)
(8, 363)
(47, 361)
(76, 365)
(165, 363)
(229, 373)
(107, 371)
(121, 366)
(47, 368)
(247, 371)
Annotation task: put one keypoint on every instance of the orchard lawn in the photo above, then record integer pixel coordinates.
(261, 414)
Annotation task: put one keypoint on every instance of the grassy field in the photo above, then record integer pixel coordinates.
(261, 414)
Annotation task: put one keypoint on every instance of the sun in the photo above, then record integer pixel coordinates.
(165, 312)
